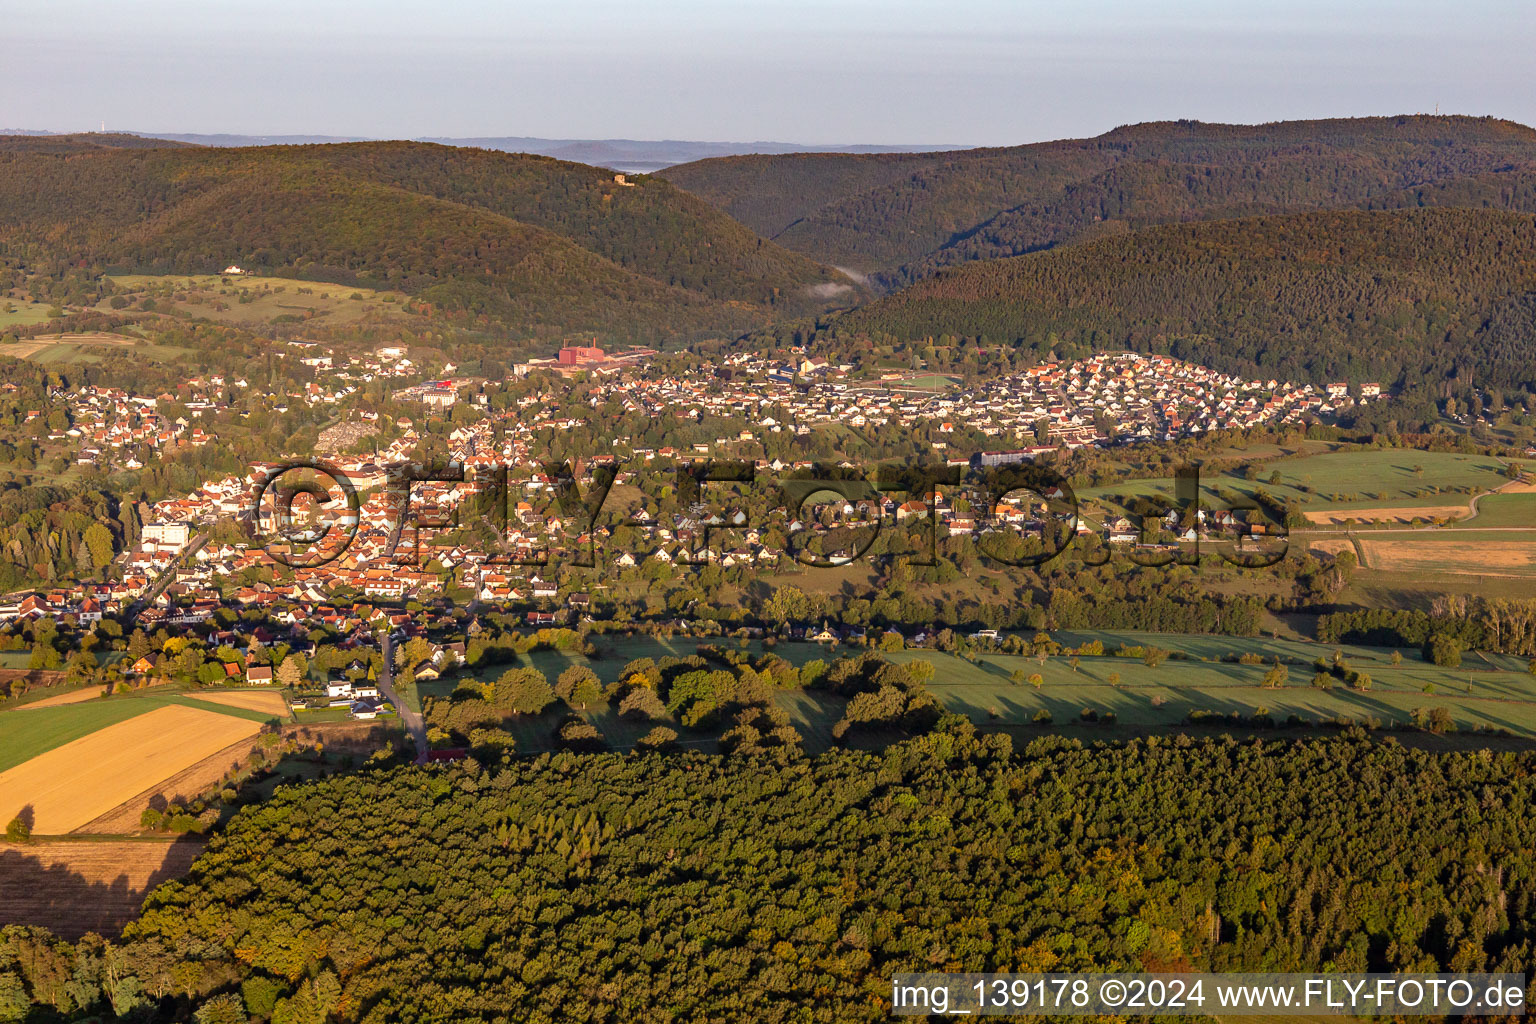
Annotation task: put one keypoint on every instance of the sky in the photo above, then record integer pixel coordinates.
(968, 72)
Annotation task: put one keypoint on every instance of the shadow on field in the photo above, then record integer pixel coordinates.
(44, 883)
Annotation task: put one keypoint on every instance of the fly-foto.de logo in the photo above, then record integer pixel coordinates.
(309, 512)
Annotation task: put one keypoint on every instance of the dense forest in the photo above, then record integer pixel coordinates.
(1399, 297)
(535, 243)
(775, 887)
(899, 217)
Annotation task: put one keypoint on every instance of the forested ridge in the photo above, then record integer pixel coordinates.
(900, 217)
(1401, 297)
(703, 888)
(530, 241)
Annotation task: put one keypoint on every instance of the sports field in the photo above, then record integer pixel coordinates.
(70, 785)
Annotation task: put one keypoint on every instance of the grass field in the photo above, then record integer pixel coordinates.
(87, 348)
(1488, 691)
(22, 314)
(1351, 479)
(269, 299)
(1449, 552)
(1503, 511)
(74, 783)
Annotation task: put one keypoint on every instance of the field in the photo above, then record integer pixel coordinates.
(71, 697)
(1341, 516)
(85, 348)
(73, 887)
(23, 314)
(1349, 482)
(71, 784)
(1456, 553)
(1511, 510)
(186, 785)
(25, 736)
(268, 701)
(1489, 691)
(266, 300)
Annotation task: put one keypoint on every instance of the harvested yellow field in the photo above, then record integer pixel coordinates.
(252, 700)
(72, 697)
(83, 779)
(1336, 516)
(76, 887)
(1457, 557)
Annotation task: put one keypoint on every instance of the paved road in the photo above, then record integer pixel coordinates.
(167, 577)
(414, 723)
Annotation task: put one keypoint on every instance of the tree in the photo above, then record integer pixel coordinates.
(227, 1008)
(1444, 650)
(788, 604)
(642, 704)
(98, 539)
(18, 830)
(138, 645)
(523, 691)
(578, 686)
(290, 673)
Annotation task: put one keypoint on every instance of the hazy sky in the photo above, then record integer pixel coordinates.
(833, 71)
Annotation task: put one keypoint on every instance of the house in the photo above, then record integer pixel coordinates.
(338, 688)
(259, 675)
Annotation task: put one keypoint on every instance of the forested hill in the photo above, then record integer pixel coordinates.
(711, 889)
(536, 243)
(902, 216)
(1402, 297)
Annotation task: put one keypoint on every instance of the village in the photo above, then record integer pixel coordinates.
(176, 578)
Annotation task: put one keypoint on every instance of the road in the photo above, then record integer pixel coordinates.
(167, 577)
(414, 723)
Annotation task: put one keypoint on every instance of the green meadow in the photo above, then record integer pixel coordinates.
(1349, 477)
(1488, 691)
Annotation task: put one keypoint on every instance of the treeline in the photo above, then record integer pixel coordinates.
(594, 887)
(48, 534)
(1502, 625)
